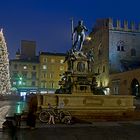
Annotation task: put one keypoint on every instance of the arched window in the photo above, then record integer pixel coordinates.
(120, 46)
(133, 52)
(103, 68)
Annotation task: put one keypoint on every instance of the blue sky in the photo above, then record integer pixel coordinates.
(48, 21)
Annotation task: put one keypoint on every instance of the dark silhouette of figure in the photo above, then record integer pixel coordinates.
(17, 119)
(90, 57)
(32, 107)
(70, 58)
(80, 36)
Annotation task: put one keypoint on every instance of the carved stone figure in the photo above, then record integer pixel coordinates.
(70, 57)
(90, 55)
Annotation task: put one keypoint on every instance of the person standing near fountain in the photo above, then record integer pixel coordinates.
(31, 118)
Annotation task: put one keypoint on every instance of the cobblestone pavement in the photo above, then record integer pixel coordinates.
(94, 131)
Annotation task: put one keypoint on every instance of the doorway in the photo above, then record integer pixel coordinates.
(135, 88)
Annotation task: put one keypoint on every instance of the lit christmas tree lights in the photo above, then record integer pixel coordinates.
(5, 85)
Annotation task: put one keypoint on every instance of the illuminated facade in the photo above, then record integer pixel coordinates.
(39, 74)
(125, 83)
(116, 49)
(52, 66)
(24, 75)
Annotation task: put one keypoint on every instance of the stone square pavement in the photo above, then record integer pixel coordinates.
(93, 131)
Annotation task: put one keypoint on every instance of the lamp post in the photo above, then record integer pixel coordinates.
(20, 81)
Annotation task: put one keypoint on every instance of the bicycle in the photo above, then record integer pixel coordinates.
(60, 115)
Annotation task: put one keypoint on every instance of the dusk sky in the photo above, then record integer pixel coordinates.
(48, 21)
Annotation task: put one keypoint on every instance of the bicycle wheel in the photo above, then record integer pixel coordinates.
(44, 116)
(67, 120)
(65, 117)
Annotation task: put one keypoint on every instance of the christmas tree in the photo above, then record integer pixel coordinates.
(5, 85)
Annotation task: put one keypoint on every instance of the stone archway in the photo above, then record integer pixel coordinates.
(135, 87)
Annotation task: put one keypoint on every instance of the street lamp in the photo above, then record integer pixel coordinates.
(88, 38)
(20, 81)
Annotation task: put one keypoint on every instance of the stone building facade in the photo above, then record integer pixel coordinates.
(125, 83)
(116, 49)
(37, 73)
(24, 75)
(52, 66)
(124, 50)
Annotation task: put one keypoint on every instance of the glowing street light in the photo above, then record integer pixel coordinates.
(20, 81)
(88, 38)
(20, 78)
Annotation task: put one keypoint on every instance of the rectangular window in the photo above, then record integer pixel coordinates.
(15, 74)
(52, 84)
(133, 52)
(115, 86)
(103, 68)
(98, 71)
(34, 67)
(33, 75)
(24, 74)
(52, 60)
(43, 75)
(122, 48)
(14, 83)
(33, 83)
(43, 84)
(44, 67)
(44, 59)
(61, 61)
(118, 48)
(15, 66)
(51, 75)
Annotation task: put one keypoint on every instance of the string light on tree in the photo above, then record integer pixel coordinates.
(5, 85)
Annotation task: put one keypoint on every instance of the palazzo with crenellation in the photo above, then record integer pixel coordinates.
(116, 55)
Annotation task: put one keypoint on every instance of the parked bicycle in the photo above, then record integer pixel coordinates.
(60, 115)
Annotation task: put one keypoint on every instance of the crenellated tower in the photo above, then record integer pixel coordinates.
(124, 50)
(116, 48)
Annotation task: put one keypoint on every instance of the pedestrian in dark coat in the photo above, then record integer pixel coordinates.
(32, 107)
